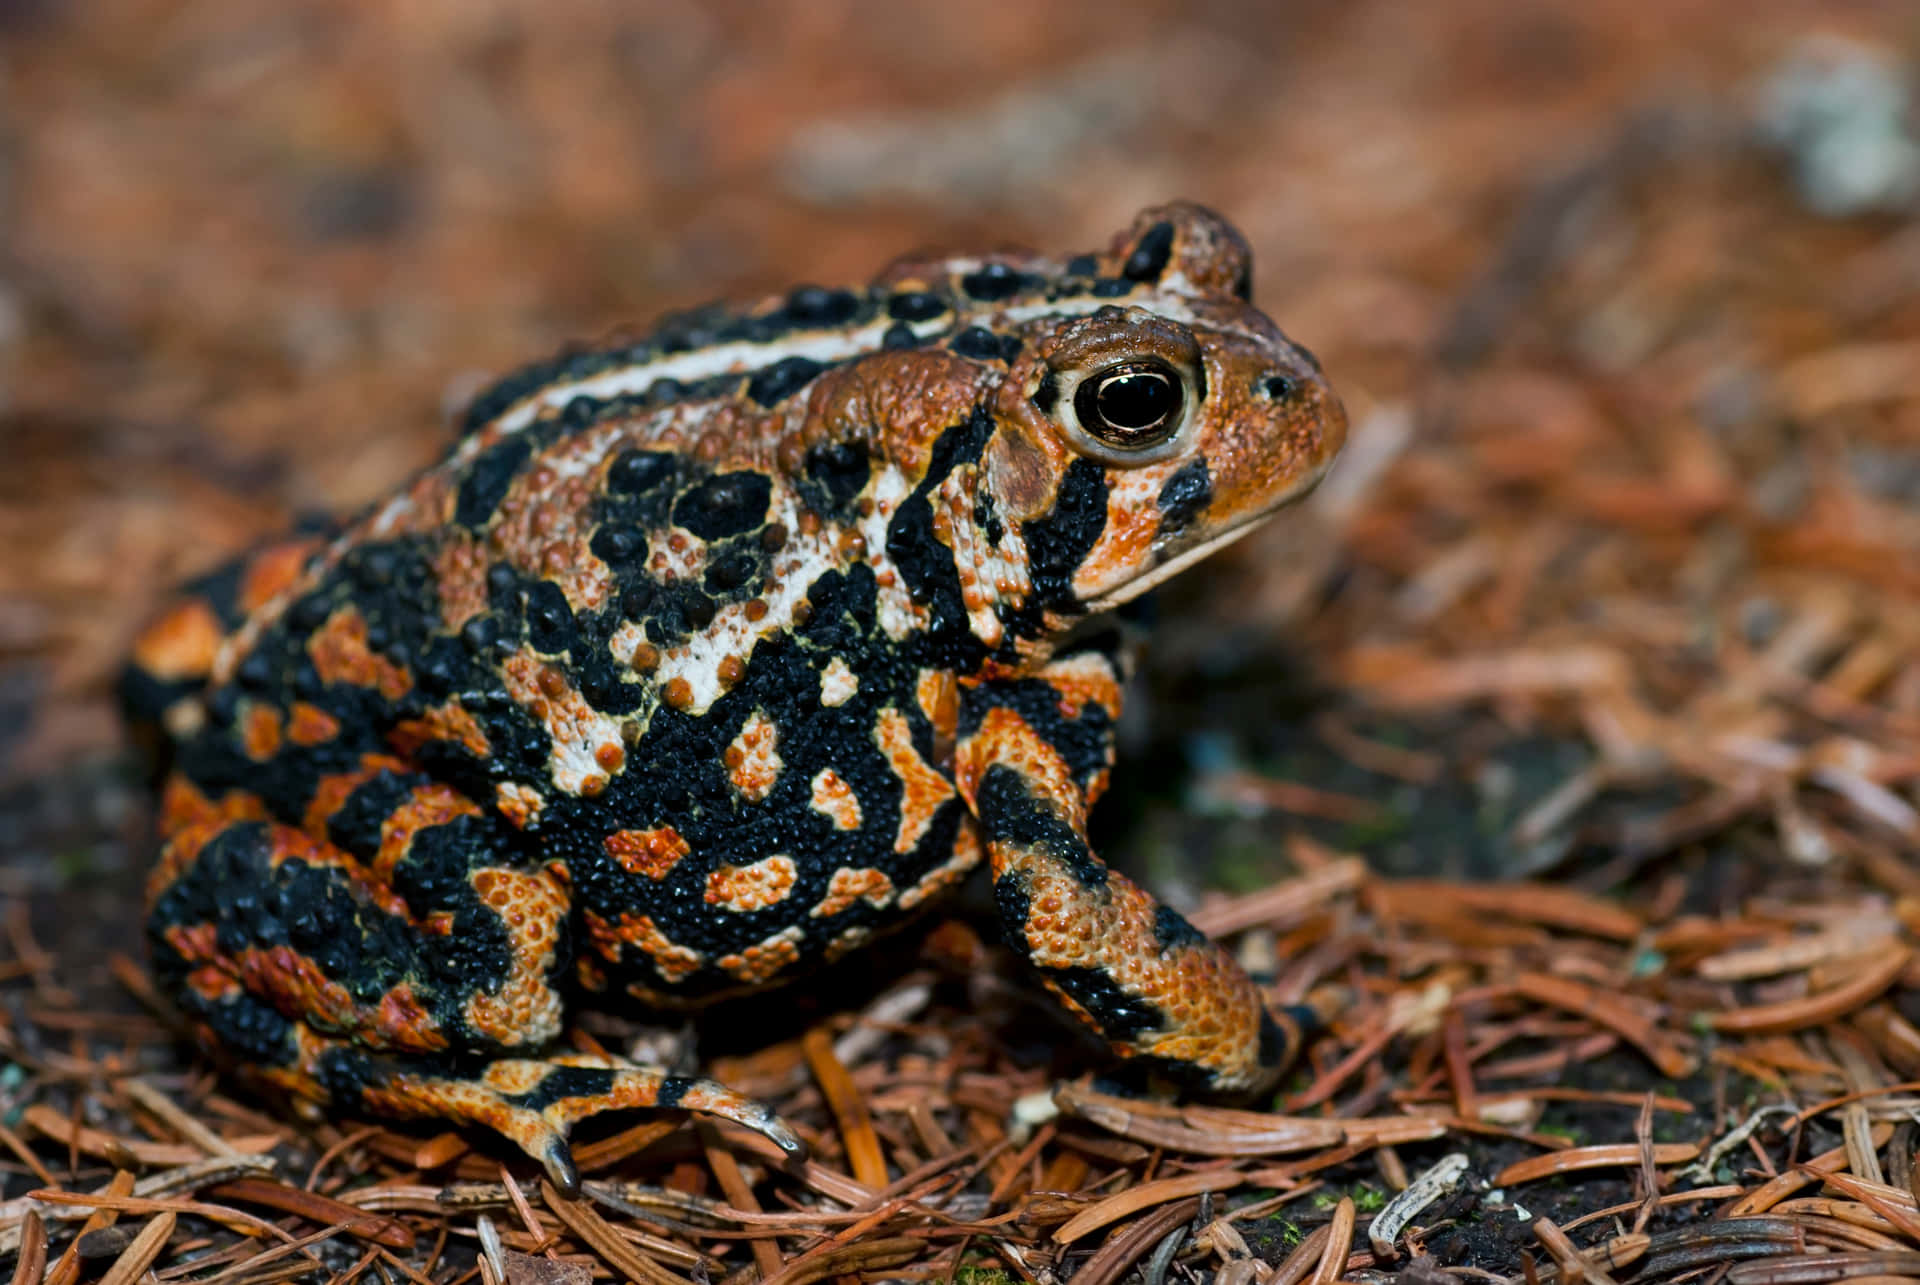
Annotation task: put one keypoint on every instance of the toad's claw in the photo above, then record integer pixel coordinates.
(557, 1160)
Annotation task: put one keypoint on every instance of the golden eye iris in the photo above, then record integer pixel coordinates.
(1133, 405)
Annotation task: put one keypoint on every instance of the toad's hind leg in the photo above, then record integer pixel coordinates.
(416, 979)
(1034, 754)
(532, 1102)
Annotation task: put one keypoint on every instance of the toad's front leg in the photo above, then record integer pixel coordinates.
(1034, 754)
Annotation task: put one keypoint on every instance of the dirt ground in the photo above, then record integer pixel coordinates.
(1599, 647)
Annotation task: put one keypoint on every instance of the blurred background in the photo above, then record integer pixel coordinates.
(1624, 299)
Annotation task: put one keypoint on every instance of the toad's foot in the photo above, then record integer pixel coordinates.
(532, 1102)
(535, 1103)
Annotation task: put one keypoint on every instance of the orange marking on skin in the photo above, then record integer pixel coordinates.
(1083, 680)
(671, 960)
(426, 806)
(763, 960)
(183, 804)
(923, 790)
(401, 1010)
(260, 731)
(650, 853)
(181, 642)
(524, 1009)
(847, 940)
(753, 759)
(939, 698)
(189, 820)
(460, 578)
(330, 793)
(1004, 739)
(741, 889)
(848, 886)
(967, 853)
(294, 983)
(340, 654)
(834, 799)
(195, 943)
(309, 725)
(212, 985)
(273, 570)
(447, 722)
(545, 523)
(519, 804)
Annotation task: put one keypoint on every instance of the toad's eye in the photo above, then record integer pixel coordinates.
(1133, 406)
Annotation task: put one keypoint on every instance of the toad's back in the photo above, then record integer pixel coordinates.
(701, 658)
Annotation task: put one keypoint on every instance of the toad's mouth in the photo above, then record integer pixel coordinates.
(1176, 564)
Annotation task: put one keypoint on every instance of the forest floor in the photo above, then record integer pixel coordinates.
(1573, 726)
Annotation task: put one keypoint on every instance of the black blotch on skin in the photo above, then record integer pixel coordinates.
(255, 672)
(818, 306)
(1009, 813)
(1275, 1047)
(550, 625)
(487, 481)
(783, 379)
(637, 472)
(1150, 254)
(697, 610)
(1122, 1018)
(916, 305)
(1084, 743)
(355, 826)
(1112, 287)
(636, 598)
(992, 283)
(580, 412)
(731, 570)
(1185, 496)
(899, 336)
(220, 590)
(987, 518)
(443, 664)
(619, 546)
(1013, 902)
(926, 563)
(1082, 265)
(724, 504)
(976, 342)
(1171, 931)
(253, 901)
(144, 698)
(1243, 284)
(1047, 396)
(253, 1031)
(835, 476)
(1059, 542)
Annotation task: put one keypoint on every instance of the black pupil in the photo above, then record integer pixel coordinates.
(1137, 400)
